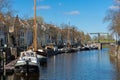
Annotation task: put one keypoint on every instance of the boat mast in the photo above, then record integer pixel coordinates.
(35, 28)
(68, 35)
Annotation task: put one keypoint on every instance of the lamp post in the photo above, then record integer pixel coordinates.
(68, 36)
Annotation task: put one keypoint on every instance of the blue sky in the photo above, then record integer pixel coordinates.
(87, 15)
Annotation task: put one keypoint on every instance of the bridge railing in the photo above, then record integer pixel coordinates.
(104, 41)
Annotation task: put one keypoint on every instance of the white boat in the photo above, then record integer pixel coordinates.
(27, 63)
(42, 56)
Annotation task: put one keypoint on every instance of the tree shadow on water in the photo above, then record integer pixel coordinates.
(26, 77)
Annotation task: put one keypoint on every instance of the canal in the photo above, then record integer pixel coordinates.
(83, 65)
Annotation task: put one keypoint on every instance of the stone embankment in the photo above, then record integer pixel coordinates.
(115, 51)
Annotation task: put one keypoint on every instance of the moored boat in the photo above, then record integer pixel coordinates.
(27, 63)
(42, 56)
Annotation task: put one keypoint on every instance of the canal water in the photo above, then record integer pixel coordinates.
(83, 65)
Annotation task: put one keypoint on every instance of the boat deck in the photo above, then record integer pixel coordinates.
(9, 68)
(10, 65)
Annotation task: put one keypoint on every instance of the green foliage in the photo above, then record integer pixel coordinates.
(40, 20)
(105, 41)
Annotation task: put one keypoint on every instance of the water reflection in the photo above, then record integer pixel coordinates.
(84, 65)
(21, 77)
(116, 65)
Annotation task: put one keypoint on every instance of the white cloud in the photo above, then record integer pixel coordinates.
(45, 7)
(76, 12)
(114, 7)
(117, 1)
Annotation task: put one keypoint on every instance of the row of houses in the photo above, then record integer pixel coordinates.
(20, 33)
(15, 32)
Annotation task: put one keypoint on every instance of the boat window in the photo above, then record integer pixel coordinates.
(27, 54)
(23, 54)
(32, 54)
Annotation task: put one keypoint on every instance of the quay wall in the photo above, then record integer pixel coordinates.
(115, 51)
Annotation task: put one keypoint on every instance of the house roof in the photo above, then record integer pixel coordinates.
(2, 20)
(23, 23)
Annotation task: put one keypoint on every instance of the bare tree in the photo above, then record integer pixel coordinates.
(6, 6)
(113, 16)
